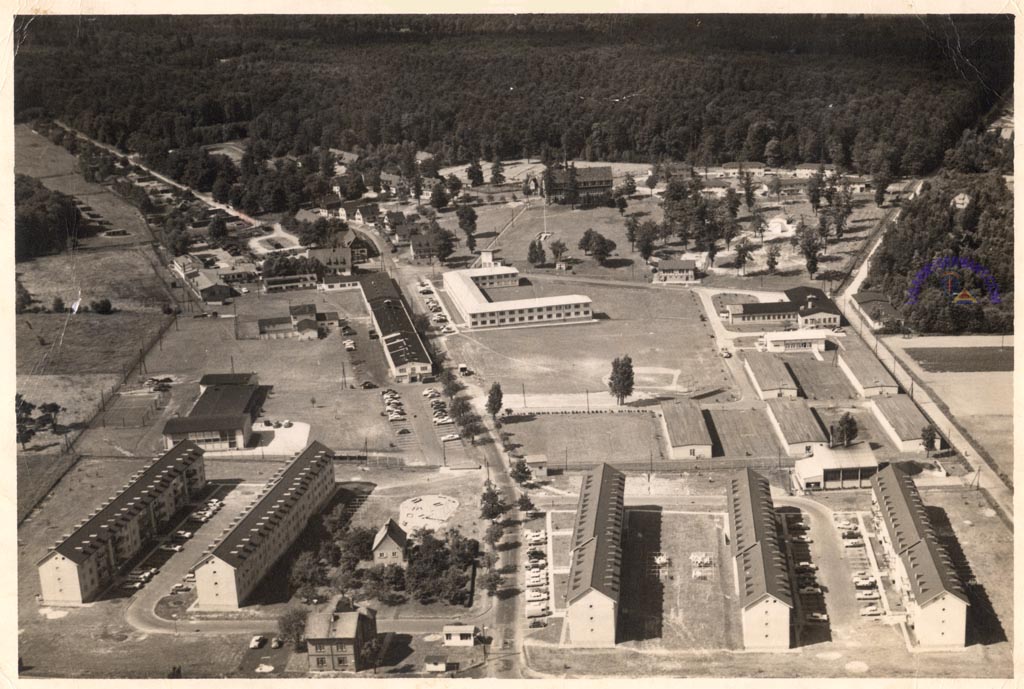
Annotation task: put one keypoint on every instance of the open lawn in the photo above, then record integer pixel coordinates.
(36, 156)
(126, 276)
(963, 359)
(562, 223)
(669, 608)
(563, 520)
(740, 433)
(83, 343)
(589, 439)
(560, 548)
(671, 348)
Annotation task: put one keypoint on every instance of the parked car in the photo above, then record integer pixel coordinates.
(536, 555)
(804, 564)
(536, 595)
(870, 611)
(367, 385)
(184, 534)
(256, 642)
(537, 623)
(860, 573)
(442, 421)
(800, 538)
(275, 643)
(817, 617)
(537, 610)
(537, 564)
(132, 585)
(867, 595)
(809, 590)
(856, 543)
(865, 583)
(403, 431)
(191, 576)
(450, 437)
(350, 348)
(428, 392)
(171, 547)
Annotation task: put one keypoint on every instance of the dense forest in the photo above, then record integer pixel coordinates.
(870, 94)
(45, 221)
(977, 243)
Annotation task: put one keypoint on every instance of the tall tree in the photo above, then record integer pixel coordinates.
(732, 201)
(497, 172)
(494, 398)
(846, 429)
(744, 250)
(454, 185)
(291, 625)
(772, 258)
(475, 174)
(747, 183)
(928, 438)
(621, 380)
(558, 249)
(438, 196)
(632, 225)
(652, 182)
(775, 187)
(600, 249)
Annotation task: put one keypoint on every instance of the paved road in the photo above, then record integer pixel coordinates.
(988, 479)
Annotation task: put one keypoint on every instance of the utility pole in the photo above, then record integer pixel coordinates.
(344, 376)
(524, 395)
(232, 364)
(566, 470)
(588, 401)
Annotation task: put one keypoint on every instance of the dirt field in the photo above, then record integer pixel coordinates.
(589, 439)
(672, 350)
(962, 359)
(819, 380)
(689, 613)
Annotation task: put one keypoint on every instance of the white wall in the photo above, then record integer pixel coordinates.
(766, 624)
(58, 580)
(215, 586)
(942, 623)
(592, 619)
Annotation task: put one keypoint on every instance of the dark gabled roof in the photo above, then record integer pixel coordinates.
(277, 498)
(822, 304)
(391, 530)
(869, 297)
(306, 324)
(596, 557)
(768, 307)
(230, 399)
(273, 323)
(769, 371)
(396, 329)
(760, 560)
(227, 379)
(204, 424)
(134, 496)
(796, 420)
(928, 567)
(284, 279)
(299, 310)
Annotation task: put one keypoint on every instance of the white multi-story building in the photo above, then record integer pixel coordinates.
(86, 561)
(935, 599)
(463, 286)
(233, 567)
(759, 564)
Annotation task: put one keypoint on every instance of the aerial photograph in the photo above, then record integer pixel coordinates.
(532, 346)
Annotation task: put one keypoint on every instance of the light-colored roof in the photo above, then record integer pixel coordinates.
(857, 456)
(784, 336)
(392, 529)
(796, 420)
(677, 264)
(769, 371)
(866, 368)
(902, 414)
(596, 557)
(332, 625)
(685, 423)
(461, 288)
(458, 629)
(536, 459)
(928, 567)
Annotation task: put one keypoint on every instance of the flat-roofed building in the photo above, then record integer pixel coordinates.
(759, 563)
(458, 635)
(796, 426)
(795, 341)
(235, 565)
(902, 421)
(769, 375)
(866, 373)
(687, 434)
(595, 560)
(287, 283)
(86, 561)
(922, 571)
(463, 287)
(836, 468)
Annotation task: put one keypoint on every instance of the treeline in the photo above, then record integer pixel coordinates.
(931, 228)
(862, 93)
(45, 221)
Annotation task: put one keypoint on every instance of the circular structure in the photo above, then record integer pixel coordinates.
(426, 512)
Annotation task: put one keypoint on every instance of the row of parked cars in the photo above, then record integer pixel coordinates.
(434, 306)
(865, 583)
(537, 583)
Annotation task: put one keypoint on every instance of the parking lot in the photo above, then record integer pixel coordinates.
(828, 555)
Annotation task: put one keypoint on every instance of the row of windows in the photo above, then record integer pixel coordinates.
(524, 319)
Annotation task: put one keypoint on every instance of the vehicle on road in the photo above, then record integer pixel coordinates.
(173, 547)
(184, 534)
(804, 564)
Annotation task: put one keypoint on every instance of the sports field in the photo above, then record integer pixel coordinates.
(963, 359)
(586, 439)
(671, 348)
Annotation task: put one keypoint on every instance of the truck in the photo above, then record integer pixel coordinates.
(464, 370)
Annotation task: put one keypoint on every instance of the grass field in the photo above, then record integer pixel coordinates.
(125, 276)
(562, 520)
(672, 610)
(589, 439)
(672, 350)
(560, 547)
(567, 225)
(963, 359)
(738, 433)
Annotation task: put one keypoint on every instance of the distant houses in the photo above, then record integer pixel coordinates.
(304, 322)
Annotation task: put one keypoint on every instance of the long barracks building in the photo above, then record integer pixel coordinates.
(463, 286)
(86, 561)
(247, 550)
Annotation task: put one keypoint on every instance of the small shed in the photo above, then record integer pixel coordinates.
(436, 664)
(459, 634)
(538, 465)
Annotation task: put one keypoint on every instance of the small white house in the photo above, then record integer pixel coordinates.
(538, 465)
(459, 634)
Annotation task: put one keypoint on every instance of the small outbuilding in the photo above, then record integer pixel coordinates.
(459, 634)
